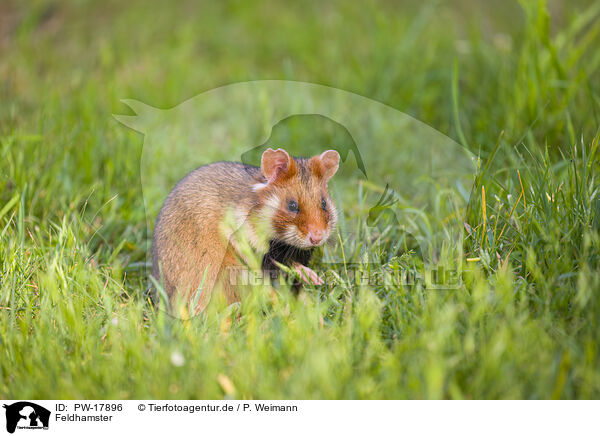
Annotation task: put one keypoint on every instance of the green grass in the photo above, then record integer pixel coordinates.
(518, 84)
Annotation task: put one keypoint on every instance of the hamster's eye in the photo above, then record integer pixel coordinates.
(323, 203)
(293, 206)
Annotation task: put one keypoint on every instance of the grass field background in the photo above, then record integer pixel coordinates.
(517, 83)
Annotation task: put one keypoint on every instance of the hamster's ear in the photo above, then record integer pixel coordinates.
(326, 164)
(275, 163)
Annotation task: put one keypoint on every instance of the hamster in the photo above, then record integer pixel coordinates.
(287, 197)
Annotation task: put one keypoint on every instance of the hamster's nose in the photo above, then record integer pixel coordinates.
(316, 236)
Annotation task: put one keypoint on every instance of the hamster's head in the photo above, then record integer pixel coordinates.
(294, 190)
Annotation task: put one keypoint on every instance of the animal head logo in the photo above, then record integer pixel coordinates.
(411, 175)
(24, 414)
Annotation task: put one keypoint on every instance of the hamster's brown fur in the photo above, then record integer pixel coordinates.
(189, 236)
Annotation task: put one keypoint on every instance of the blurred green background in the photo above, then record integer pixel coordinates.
(515, 82)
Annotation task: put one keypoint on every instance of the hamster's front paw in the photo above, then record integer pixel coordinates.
(307, 274)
